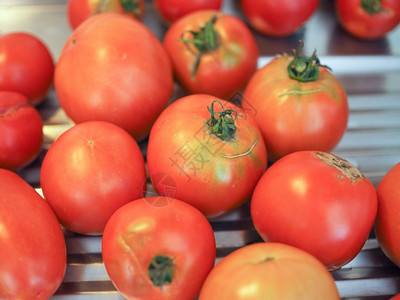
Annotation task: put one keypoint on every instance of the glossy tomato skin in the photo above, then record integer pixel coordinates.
(278, 18)
(221, 72)
(78, 11)
(26, 66)
(89, 172)
(21, 132)
(114, 69)
(294, 115)
(211, 174)
(172, 10)
(32, 252)
(358, 22)
(387, 223)
(269, 271)
(317, 202)
(158, 226)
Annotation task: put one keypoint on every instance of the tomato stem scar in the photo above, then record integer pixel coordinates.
(161, 270)
(372, 7)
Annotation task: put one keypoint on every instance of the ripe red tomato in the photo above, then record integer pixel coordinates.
(114, 69)
(269, 271)
(158, 248)
(172, 10)
(396, 297)
(20, 131)
(211, 152)
(32, 252)
(317, 202)
(278, 18)
(387, 225)
(298, 105)
(80, 10)
(26, 66)
(89, 172)
(368, 19)
(211, 52)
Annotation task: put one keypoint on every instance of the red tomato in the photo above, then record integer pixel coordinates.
(297, 108)
(89, 172)
(114, 69)
(172, 10)
(387, 225)
(158, 248)
(20, 131)
(212, 53)
(26, 66)
(80, 10)
(396, 297)
(269, 271)
(32, 252)
(212, 152)
(278, 18)
(368, 19)
(317, 202)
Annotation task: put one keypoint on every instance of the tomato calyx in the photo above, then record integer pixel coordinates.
(161, 270)
(223, 125)
(372, 7)
(304, 68)
(132, 6)
(206, 40)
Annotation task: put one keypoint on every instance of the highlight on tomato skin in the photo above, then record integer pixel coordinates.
(318, 202)
(21, 128)
(158, 248)
(269, 271)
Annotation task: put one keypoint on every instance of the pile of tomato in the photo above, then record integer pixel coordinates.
(239, 134)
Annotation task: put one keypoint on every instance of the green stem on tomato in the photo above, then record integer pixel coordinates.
(304, 68)
(222, 123)
(161, 270)
(205, 40)
(132, 6)
(372, 7)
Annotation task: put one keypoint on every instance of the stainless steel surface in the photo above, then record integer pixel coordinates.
(370, 73)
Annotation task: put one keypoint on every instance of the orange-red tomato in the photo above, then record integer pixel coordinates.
(211, 52)
(80, 10)
(158, 248)
(317, 202)
(32, 252)
(21, 132)
(269, 271)
(297, 107)
(90, 171)
(368, 19)
(26, 66)
(387, 224)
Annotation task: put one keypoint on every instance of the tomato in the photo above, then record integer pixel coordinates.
(387, 224)
(78, 10)
(269, 271)
(278, 18)
(318, 202)
(32, 251)
(21, 132)
(172, 10)
(368, 19)
(114, 69)
(158, 248)
(26, 66)
(396, 297)
(210, 150)
(298, 104)
(89, 172)
(211, 52)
